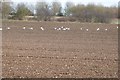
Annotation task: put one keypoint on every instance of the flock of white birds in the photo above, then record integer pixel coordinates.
(58, 29)
(62, 28)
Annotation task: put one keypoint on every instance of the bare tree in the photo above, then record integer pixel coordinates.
(43, 11)
(6, 9)
(56, 6)
(68, 7)
(90, 12)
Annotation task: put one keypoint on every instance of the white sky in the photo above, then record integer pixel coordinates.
(103, 2)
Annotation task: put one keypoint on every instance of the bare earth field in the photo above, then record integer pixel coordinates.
(59, 54)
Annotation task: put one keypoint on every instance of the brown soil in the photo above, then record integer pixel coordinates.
(60, 54)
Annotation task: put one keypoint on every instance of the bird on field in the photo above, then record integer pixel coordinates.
(117, 27)
(59, 29)
(106, 29)
(86, 29)
(8, 28)
(68, 28)
(64, 29)
(0, 29)
(24, 27)
(42, 28)
(81, 28)
(98, 29)
(31, 28)
(55, 28)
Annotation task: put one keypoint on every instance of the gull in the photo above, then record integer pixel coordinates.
(106, 29)
(23, 27)
(117, 27)
(59, 29)
(0, 29)
(31, 28)
(98, 29)
(86, 29)
(42, 28)
(64, 29)
(8, 28)
(81, 28)
(68, 28)
(55, 28)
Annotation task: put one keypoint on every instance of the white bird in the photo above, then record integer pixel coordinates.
(42, 28)
(64, 29)
(106, 29)
(0, 29)
(98, 29)
(59, 29)
(31, 28)
(68, 28)
(86, 29)
(23, 27)
(117, 27)
(8, 28)
(55, 28)
(81, 28)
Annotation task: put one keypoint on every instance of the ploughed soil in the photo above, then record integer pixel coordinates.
(74, 53)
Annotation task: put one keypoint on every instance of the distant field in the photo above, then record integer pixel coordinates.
(74, 53)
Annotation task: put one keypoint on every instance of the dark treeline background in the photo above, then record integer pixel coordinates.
(43, 11)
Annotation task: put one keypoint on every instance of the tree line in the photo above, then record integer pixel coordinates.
(71, 12)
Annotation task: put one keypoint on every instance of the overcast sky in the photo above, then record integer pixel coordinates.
(103, 2)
